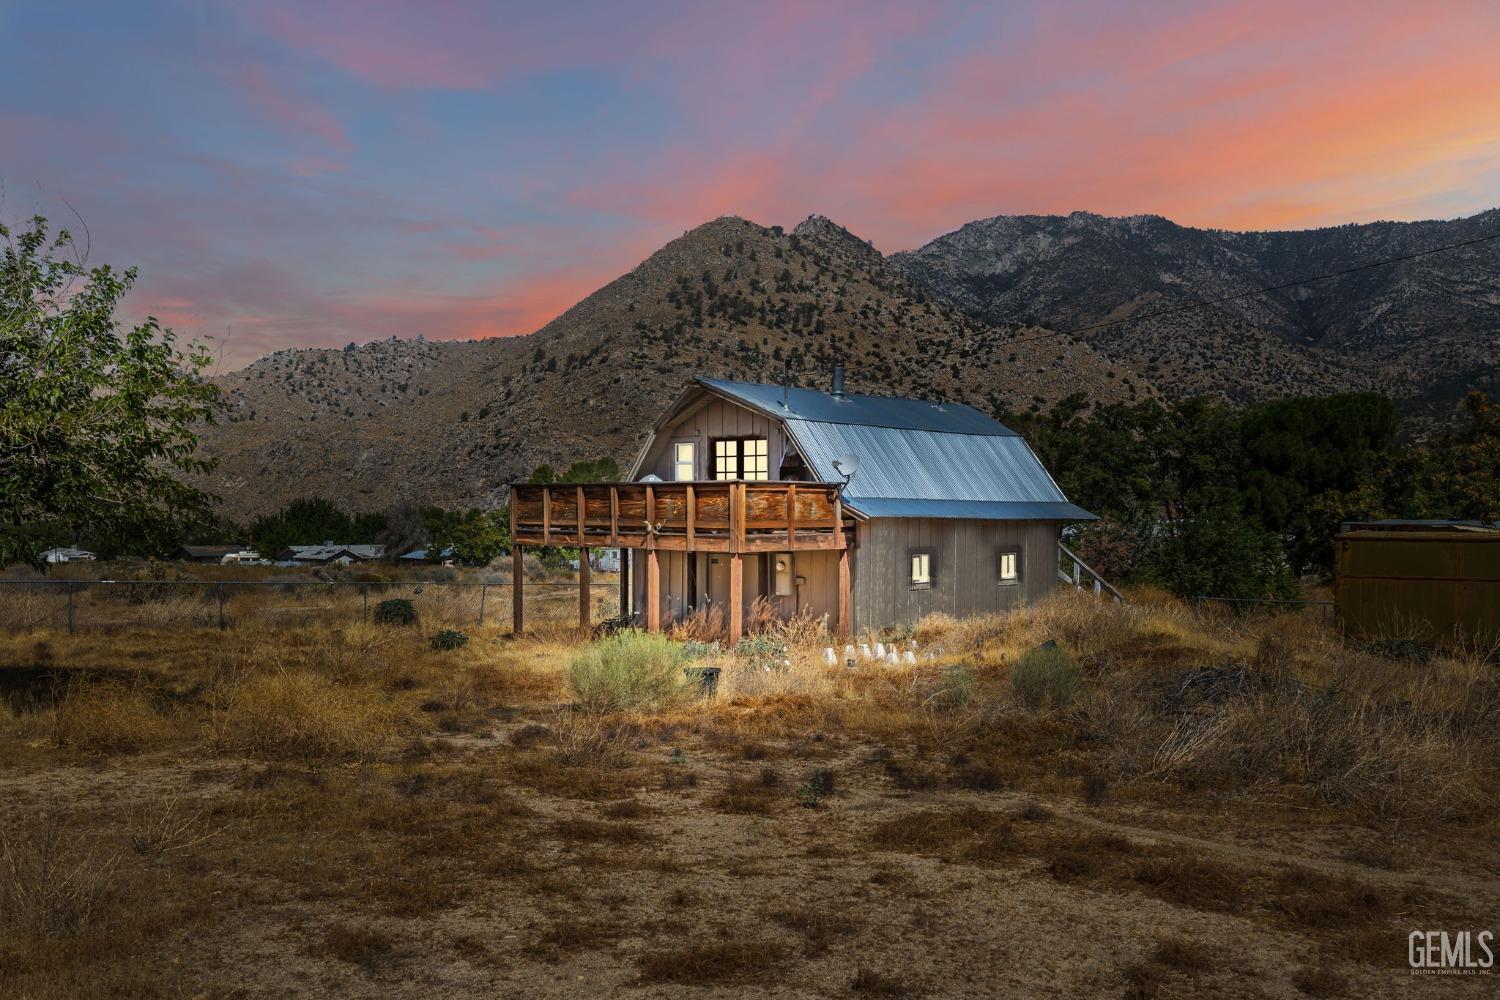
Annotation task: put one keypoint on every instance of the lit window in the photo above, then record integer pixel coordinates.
(684, 461)
(754, 455)
(1010, 565)
(781, 574)
(742, 458)
(921, 569)
(726, 460)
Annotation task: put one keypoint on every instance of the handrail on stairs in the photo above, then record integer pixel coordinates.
(1101, 585)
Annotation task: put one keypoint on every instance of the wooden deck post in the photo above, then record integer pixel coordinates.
(517, 578)
(653, 592)
(585, 589)
(736, 597)
(845, 625)
(624, 583)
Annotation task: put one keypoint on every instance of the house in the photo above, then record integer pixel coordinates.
(330, 554)
(1430, 580)
(66, 555)
(215, 554)
(871, 510)
(445, 557)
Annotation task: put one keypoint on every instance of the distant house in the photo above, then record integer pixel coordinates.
(330, 554)
(1434, 580)
(207, 554)
(423, 556)
(870, 510)
(67, 555)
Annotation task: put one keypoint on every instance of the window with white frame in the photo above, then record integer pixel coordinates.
(921, 570)
(684, 461)
(1009, 569)
(742, 458)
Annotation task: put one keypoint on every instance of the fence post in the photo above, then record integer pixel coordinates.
(221, 606)
(70, 610)
(482, 588)
(364, 597)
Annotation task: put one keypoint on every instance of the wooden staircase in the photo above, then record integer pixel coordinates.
(1074, 571)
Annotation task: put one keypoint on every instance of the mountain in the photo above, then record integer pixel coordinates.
(1423, 331)
(452, 423)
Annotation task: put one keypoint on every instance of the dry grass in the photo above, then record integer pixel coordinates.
(308, 716)
(344, 786)
(52, 881)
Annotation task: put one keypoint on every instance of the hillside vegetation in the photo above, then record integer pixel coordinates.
(449, 424)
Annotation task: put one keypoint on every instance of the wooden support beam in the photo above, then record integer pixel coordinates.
(736, 597)
(614, 521)
(845, 624)
(585, 591)
(517, 599)
(791, 516)
(546, 515)
(692, 515)
(625, 583)
(582, 540)
(653, 592)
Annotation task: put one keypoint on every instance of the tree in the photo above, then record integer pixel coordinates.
(308, 521)
(1468, 462)
(405, 528)
(96, 422)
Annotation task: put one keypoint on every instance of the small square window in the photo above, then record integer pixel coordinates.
(921, 570)
(1009, 566)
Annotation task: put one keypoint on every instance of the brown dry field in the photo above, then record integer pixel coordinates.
(1236, 808)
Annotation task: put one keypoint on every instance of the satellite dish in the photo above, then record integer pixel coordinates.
(846, 466)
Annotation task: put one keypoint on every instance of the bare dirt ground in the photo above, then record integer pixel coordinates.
(823, 843)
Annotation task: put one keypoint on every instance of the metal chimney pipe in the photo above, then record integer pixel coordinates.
(838, 380)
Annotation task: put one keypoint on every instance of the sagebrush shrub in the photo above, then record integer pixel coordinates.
(448, 638)
(629, 671)
(1046, 677)
(396, 611)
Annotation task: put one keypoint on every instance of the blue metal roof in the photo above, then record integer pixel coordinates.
(869, 411)
(977, 510)
(915, 459)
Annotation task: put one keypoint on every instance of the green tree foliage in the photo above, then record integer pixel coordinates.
(308, 521)
(1303, 457)
(96, 421)
(1468, 461)
(1208, 500)
(476, 536)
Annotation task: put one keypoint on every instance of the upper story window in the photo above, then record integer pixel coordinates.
(741, 458)
(684, 461)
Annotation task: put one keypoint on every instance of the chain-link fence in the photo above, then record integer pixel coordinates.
(123, 605)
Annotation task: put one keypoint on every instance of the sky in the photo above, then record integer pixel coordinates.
(301, 174)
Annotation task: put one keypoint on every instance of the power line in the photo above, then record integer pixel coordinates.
(1258, 291)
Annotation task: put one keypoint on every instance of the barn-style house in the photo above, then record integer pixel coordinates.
(872, 510)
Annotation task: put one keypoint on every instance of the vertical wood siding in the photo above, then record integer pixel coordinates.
(719, 419)
(965, 567)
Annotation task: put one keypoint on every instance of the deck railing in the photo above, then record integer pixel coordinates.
(1073, 570)
(693, 517)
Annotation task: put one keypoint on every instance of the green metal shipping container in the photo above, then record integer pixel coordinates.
(1437, 581)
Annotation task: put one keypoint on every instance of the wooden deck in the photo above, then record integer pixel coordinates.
(734, 517)
(685, 517)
